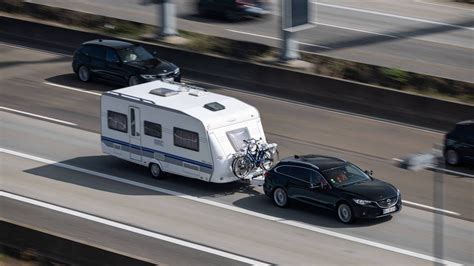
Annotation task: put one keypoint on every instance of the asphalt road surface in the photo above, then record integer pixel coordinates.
(423, 36)
(235, 218)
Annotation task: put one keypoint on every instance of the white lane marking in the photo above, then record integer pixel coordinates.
(449, 6)
(441, 169)
(393, 16)
(368, 242)
(137, 184)
(131, 229)
(329, 110)
(430, 208)
(234, 208)
(352, 29)
(275, 38)
(39, 116)
(71, 88)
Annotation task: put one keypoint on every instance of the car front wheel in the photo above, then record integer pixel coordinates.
(280, 197)
(344, 213)
(452, 157)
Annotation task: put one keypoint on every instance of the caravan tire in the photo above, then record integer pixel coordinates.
(155, 171)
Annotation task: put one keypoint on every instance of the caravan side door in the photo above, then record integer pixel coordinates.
(135, 134)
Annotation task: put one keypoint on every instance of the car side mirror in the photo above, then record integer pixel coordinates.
(369, 172)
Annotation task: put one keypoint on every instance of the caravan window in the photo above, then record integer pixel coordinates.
(152, 129)
(117, 121)
(186, 139)
(237, 137)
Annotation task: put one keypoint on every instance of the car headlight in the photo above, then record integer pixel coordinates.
(148, 76)
(176, 71)
(362, 202)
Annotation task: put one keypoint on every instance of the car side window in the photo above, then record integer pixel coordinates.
(301, 173)
(316, 178)
(111, 56)
(283, 170)
(97, 52)
(86, 50)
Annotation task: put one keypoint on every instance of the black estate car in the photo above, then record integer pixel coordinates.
(121, 62)
(459, 143)
(233, 10)
(331, 183)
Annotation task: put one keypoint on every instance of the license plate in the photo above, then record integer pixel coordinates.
(169, 79)
(389, 210)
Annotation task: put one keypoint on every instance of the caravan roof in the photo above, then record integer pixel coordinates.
(214, 110)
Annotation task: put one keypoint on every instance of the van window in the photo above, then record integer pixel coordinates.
(237, 137)
(117, 121)
(186, 139)
(152, 129)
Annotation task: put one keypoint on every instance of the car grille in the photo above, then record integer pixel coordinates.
(387, 203)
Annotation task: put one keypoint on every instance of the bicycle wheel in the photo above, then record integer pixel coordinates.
(267, 161)
(241, 167)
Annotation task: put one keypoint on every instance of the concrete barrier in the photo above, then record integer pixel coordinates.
(270, 80)
(55, 250)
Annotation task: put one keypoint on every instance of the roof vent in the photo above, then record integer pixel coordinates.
(164, 92)
(197, 93)
(214, 106)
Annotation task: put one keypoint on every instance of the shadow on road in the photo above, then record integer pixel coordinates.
(240, 194)
(96, 84)
(7, 64)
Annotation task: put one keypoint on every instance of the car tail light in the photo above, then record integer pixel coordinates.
(266, 174)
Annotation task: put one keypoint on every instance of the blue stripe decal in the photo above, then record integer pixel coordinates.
(153, 151)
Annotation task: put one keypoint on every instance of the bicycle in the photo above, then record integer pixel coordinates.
(255, 154)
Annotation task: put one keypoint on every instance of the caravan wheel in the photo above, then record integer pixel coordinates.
(155, 171)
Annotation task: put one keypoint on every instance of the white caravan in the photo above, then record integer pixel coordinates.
(177, 128)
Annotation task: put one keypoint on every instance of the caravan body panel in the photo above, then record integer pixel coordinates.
(177, 132)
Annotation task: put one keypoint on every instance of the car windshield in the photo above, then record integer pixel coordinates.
(345, 175)
(134, 53)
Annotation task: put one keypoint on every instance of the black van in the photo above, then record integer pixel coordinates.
(459, 143)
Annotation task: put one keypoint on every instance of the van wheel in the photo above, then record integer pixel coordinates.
(345, 213)
(84, 74)
(280, 197)
(155, 171)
